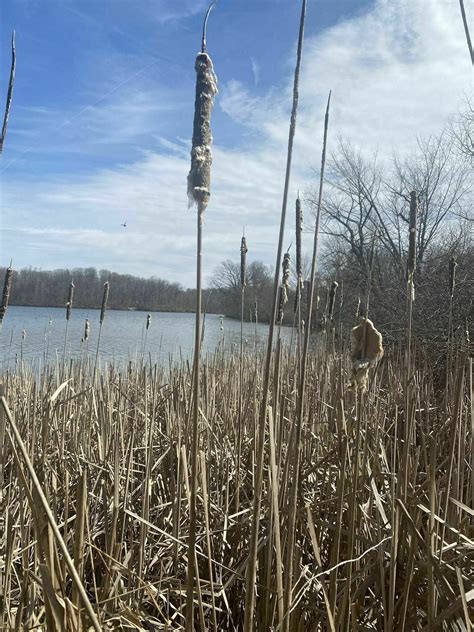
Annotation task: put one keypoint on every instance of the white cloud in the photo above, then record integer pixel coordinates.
(396, 72)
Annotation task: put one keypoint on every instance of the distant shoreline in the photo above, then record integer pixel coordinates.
(113, 309)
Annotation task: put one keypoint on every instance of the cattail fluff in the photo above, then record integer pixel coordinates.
(87, 331)
(70, 299)
(199, 177)
(7, 287)
(411, 262)
(105, 298)
(243, 262)
(357, 312)
(284, 286)
(332, 299)
(452, 276)
(148, 321)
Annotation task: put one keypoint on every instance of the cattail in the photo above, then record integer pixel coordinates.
(357, 312)
(199, 177)
(7, 286)
(366, 351)
(283, 299)
(9, 94)
(148, 321)
(105, 298)
(452, 276)
(332, 298)
(299, 231)
(243, 262)
(87, 329)
(23, 335)
(70, 299)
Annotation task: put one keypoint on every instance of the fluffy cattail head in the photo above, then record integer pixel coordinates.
(299, 231)
(243, 262)
(7, 286)
(285, 280)
(105, 298)
(148, 321)
(332, 299)
(199, 177)
(452, 275)
(285, 283)
(87, 330)
(70, 299)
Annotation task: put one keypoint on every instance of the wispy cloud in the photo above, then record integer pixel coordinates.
(397, 72)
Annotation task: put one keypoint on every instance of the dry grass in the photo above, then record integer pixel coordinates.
(394, 517)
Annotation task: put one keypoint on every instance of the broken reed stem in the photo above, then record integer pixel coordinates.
(7, 288)
(301, 390)
(9, 94)
(251, 573)
(199, 179)
(15, 440)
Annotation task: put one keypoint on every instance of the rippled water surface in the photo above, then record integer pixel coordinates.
(38, 334)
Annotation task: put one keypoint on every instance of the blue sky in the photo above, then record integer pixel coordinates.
(102, 114)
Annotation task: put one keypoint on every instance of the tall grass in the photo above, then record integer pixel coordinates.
(119, 497)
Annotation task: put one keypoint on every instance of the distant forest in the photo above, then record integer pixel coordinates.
(50, 289)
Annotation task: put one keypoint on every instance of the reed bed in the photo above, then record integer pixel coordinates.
(394, 518)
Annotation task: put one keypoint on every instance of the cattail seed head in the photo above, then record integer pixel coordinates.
(243, 262)
(105, 298)
(148, 321)
(286, 270)
(299, 231)
(7, 286)
(332, 297)
(87, 330)
(199, 177)
(452, 276)
(70, 299)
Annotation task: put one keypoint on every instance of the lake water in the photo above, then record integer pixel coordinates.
(37, 334)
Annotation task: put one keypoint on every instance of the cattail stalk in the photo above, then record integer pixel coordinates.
(301, 391)
(243, 283)
(255, 520)
(199, 179)
(69, 304)
(299, 274)
(103, 310)
(452, 283)
(7, 288)
(9, 94)
(411, 265)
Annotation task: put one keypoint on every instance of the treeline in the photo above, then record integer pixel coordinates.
(44, 288)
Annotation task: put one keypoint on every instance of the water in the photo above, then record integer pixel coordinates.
(170, 337)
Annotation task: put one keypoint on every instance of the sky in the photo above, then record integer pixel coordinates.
(101, 120)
